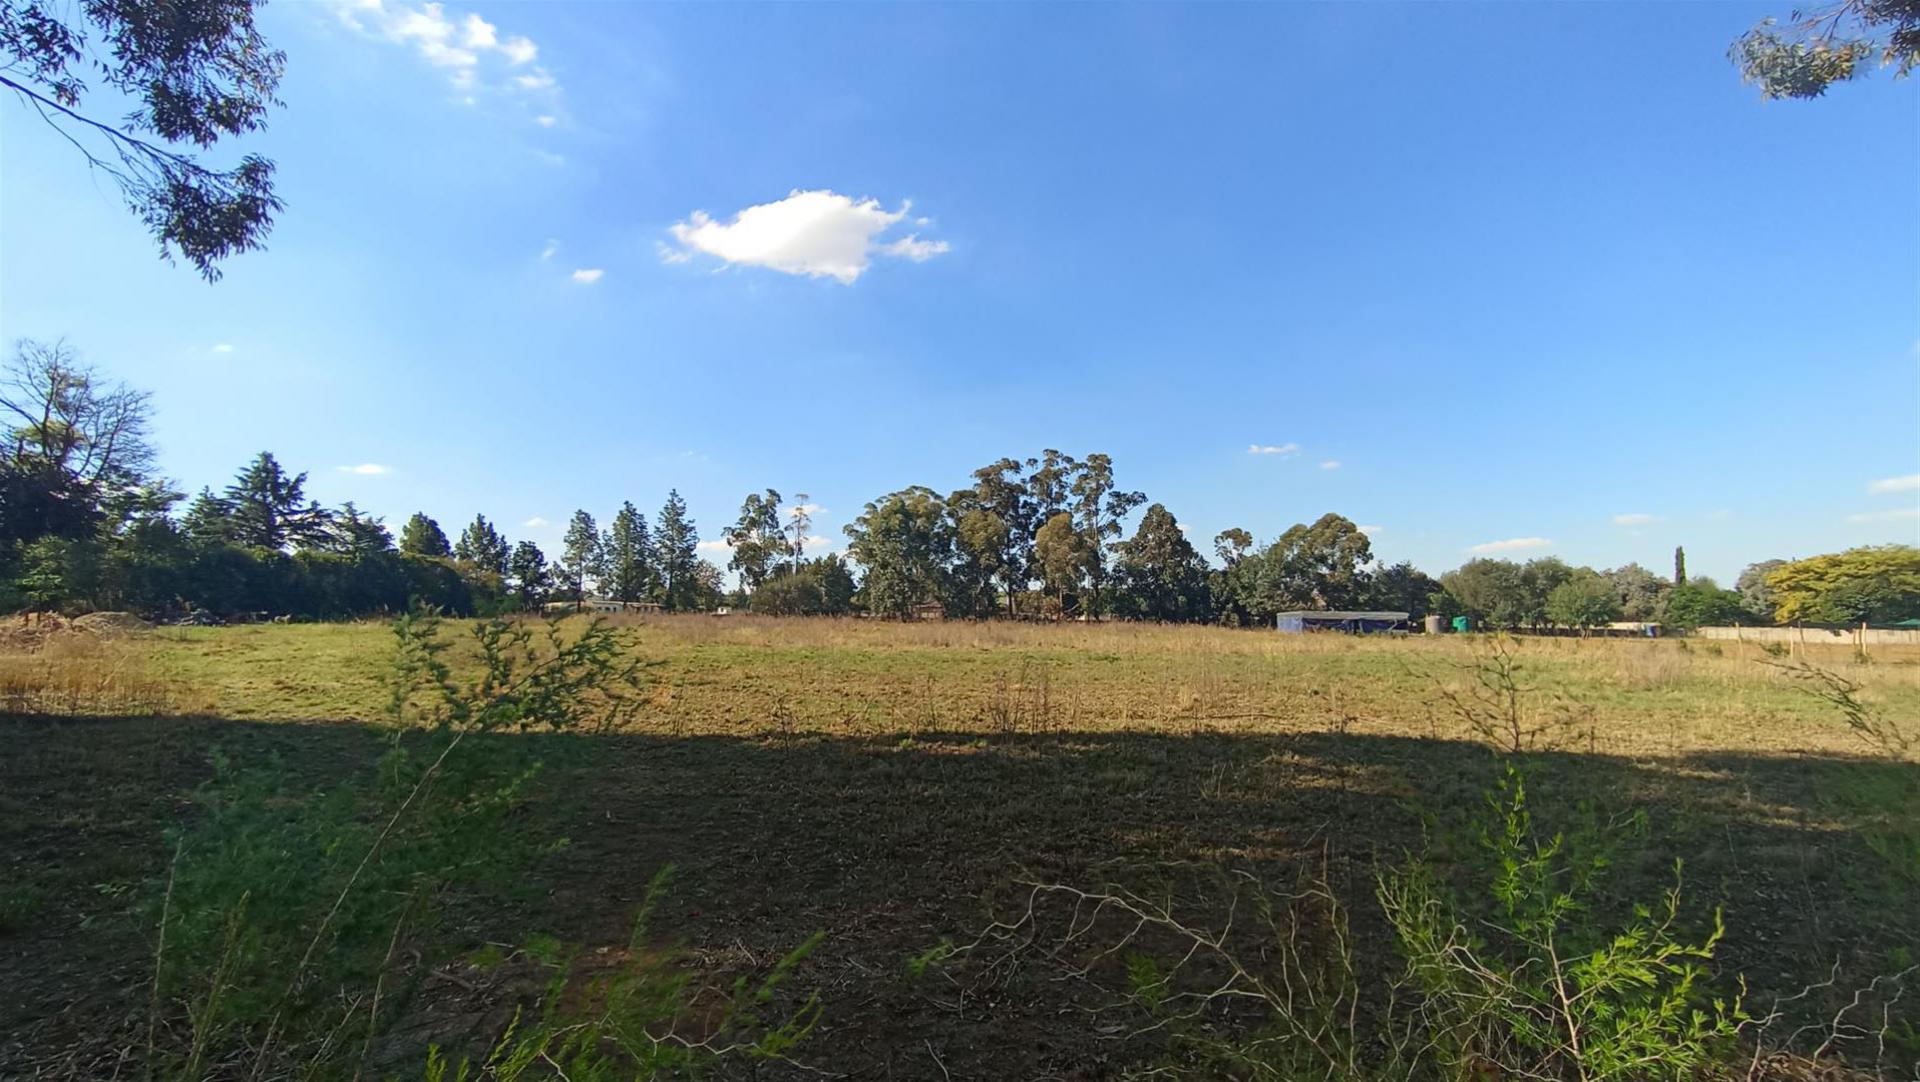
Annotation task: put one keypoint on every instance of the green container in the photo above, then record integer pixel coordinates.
(1461, 623)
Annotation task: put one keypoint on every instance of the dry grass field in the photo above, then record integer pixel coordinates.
(889, 785)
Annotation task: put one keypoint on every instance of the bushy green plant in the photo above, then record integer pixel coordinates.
(1518, 974)
(286, 903)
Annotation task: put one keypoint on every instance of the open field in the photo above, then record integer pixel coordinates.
(888, 784)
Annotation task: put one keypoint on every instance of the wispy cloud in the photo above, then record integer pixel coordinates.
(819, 234)
(1634, 518)
(1511, 544)
(1330, 464)
(366, 469)
(1909, 483)
(1273, 448)
(463, 45)
(1900, 514)
(534, 523)
(812, 510)
(587, 276)
(715, 546)
(1373, 531)
(552, 248)
(224, 347)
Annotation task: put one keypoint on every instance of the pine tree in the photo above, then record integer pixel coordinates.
(354, 534)
(580, 556)
(209, 519)
(422, 536)
(482, 546)
(267, 509)
(675, 547)
(1679, 567)
(628, 554)
(531, 579)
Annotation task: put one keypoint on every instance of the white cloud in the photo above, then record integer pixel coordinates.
(1373, 531)
(534, 523)
(912, 247)
(586, 276)
(552, 247)
(1909, 483)
(811, 509)
(717, 546)
(366, 469)
(545, 121)
(1330, 464)
(821, 234)
(1899, 515)
(1273, 448)
(224, 347)
(1635, 518)
(1512, 544)
(461, 43)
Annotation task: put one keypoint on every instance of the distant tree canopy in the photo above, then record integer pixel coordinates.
(195, 72)
(85, 523)
(1875, 584)
(1819, 47)
(422, 536)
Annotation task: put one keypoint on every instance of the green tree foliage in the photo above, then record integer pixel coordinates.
(1641, 593)
(757, 538)
(1584, 600)
(71, 439)
(1161, 575)
(837, 587)
(1679, 566)
(1402, 587)
(1064, 558)
(193, 74)
(904, 544)
(790, 594)
(1322, 566)
(581, 557)
(351, 533)
(627, 552)
(979, 544)
(1819, 47)
(676, 546)
(422, 536)
(1490, 590)
(528, 575)
(265, 508)
(1702, 603)
(1755, 595)
(483, 547)
(1098, 508)
(1874, 584)
(1000, 536)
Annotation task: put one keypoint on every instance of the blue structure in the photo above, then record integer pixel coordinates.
(1353, 623)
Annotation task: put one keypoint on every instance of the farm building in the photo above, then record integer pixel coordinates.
(1356, 623)
(598, 604)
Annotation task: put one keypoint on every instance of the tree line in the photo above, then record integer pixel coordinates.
(87, 522)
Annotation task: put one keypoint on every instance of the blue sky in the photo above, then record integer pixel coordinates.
(1518, 270)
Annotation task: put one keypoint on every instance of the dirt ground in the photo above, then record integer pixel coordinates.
(889, 845)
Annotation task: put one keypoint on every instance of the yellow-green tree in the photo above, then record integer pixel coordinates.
(1873, 584)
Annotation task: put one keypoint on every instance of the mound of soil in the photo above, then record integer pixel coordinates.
(110, 623)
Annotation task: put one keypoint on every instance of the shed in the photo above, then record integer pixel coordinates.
(1355, 623)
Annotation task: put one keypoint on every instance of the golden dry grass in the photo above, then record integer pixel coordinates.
(741, 676)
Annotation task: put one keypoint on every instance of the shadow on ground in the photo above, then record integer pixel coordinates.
(888, 845)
